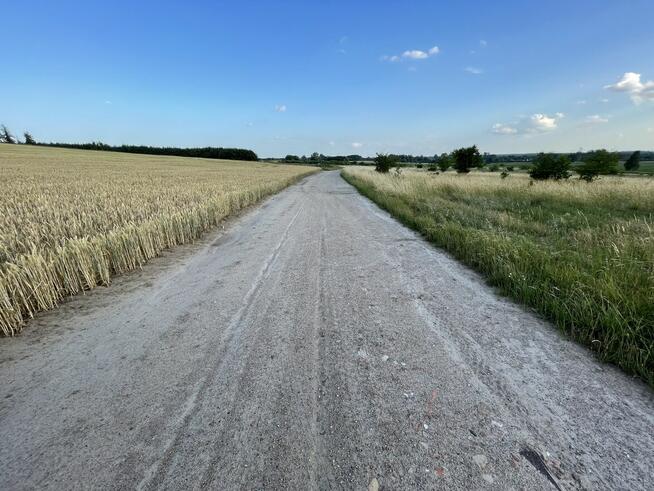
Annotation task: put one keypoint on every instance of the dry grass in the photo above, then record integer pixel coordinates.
(581, 254)
(71, 219)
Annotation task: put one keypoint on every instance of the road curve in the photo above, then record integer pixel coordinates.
(315, 343)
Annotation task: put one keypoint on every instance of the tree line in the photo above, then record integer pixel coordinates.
(203, 152)
(544, 165)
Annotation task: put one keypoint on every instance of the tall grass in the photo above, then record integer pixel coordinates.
(71, 219)
(580, 254)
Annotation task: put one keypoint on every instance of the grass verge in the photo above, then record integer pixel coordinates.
(580, 254)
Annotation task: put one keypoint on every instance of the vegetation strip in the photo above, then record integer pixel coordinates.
(70, 219)
(581, 254)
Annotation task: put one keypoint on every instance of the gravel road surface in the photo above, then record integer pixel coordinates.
(314, 343)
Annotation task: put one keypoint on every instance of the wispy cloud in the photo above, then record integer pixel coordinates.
(581, 102)
(503, 129)
(473, 70)
(107, 102)
(280, 108)
(631, 84)
(357, 144)
(483, 43)
(595, 119)
(412, 54)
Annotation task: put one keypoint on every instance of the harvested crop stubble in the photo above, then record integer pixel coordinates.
(581, 254)
(71, 219)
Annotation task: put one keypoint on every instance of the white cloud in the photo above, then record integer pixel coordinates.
(630, 83)
(331, 143)
(503, 129)
(412, 54)
(107, 102)
(483, 43)
(280, 108)
(604, 100)
(595, 119)
(357, 145)
(543, 122)
(529, 125)
(415, 54)
(650, 130)
(473, 70)
(581, 102)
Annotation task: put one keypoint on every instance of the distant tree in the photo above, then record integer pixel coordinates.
(550, 166)
(291, 158)
(5, 135)
(29, 139)
(633, 162)
(466, 158)
(444, 162)
(384, 162)
(315, 156)
(597, 163)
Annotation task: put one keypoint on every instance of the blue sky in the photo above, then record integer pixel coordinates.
(334, 77)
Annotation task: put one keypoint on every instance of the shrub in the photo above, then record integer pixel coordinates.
(466, 158)
(509, 168)
(550, 166)
(29, 139)
(633, 162)
(504, 174)
(418, 166)
(432, 168)
(444, 162)
(384, 162)
(597, 163)
(493, 168)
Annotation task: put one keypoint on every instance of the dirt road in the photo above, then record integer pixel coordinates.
(315, 343)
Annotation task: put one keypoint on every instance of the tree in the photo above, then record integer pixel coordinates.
(633, 162)
(599, 162)
(550, 166)
(384, 162)
(315, 156)
(444, 162)
(5, 135)
(29, 139)
(466, 158)
(292, 158)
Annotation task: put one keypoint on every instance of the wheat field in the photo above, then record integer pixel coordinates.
(581, 254)
(71, 219)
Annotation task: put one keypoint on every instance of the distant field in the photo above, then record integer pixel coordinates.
(581, 254)
(70, 219)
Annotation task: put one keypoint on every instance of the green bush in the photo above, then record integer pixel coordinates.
(384, 162)
(466, 158)
(599, 162)
(444, 162)
(550, 166)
